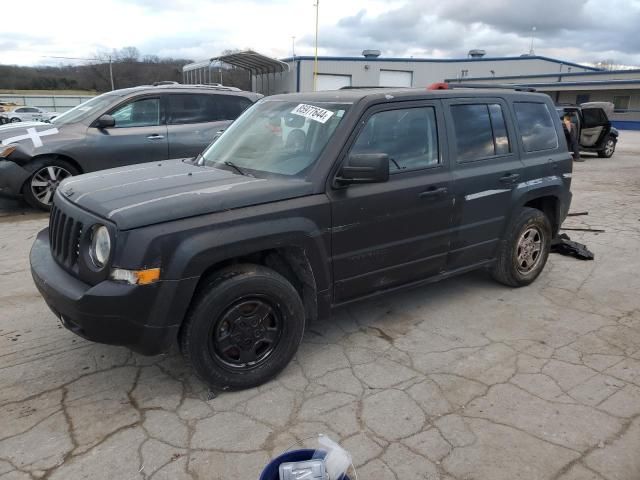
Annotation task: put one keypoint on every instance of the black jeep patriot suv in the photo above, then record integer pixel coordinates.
(306, 203)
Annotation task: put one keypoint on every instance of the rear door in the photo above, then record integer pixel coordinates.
(486, 169)
(194, 118)
(396, 232)
(542, 149)
(139, 135)
(595, 127)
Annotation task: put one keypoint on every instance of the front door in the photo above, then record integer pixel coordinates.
(139, 135)
(396, 232)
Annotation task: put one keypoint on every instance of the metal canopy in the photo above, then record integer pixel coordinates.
(254, 62)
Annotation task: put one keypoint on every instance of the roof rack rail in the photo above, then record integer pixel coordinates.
(498, 86)
(215, 87)
(365, 87)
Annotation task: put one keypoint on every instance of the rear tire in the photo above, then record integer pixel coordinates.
(609, 148)
(15, 120)
(243, 327)
(524, 251)
(40, 187)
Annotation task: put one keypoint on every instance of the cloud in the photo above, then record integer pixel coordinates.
(572, 30)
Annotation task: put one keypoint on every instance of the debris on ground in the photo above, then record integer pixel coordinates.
(593, 230)
(563, 245)
(577, 214)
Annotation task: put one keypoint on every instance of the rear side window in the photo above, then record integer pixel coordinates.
(231, 107)
(480, 131)
(536, 126)
(195, 108)
(594, 117)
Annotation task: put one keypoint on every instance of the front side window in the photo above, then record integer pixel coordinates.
(408, 135)
(536, 126)
(139, 113)
(480, 131)
(276, 137)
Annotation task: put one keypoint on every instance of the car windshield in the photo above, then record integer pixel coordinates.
(82, 111)
(276, 137)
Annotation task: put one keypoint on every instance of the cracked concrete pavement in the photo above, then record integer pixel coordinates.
(465, 379)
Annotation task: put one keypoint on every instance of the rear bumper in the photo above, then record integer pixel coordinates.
(144, 318)
(12, 177)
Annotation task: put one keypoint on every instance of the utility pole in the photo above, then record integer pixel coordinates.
(293, 46)
(92, 59)
(315, 61)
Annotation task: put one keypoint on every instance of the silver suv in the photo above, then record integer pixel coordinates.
(123, 127)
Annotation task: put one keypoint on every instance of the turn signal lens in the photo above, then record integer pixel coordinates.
(6, 151)
(136, 277)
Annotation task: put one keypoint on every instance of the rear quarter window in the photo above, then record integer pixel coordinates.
(536, 126)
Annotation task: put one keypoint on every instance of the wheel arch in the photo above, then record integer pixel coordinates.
(39, 160)
(291, 262)
(550, 206)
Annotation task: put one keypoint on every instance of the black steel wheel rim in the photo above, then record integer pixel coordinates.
(246, 334)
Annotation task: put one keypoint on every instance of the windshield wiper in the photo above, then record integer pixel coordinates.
(236, 168)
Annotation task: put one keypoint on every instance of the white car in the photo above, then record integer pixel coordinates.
(29, 114)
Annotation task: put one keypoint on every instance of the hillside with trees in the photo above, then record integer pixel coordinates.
(130, 68)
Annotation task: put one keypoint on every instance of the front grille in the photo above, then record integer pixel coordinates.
(64, 237)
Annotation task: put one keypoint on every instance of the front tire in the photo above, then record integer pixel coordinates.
(243, 328)
(609, 148)
(39, 188)
(524, 251)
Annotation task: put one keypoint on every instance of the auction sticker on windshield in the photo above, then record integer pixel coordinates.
(313, 113)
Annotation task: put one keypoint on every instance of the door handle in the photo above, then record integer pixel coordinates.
(155, 136)
(510, 178)
(433, 192)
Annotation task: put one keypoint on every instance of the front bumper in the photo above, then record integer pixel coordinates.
(144, 318)
(12, 177)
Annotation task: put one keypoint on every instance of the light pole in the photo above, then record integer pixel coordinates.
(315, 60)
(533, 32)
(293, 46)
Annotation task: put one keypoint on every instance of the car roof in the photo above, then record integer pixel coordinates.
(352, 95)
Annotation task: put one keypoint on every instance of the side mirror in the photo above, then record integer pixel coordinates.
(364, 168)
(105, 121)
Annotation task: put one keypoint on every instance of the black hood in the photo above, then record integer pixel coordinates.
(149, 193)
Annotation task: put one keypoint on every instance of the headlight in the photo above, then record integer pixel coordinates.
(100, 246)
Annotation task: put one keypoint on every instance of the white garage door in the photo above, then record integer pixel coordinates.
(395, 78)
(332, 82)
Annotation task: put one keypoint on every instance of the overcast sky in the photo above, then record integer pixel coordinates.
(573, 30)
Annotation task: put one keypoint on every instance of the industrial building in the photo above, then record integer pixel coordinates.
(566, 82)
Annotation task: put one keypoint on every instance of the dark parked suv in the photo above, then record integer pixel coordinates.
(306, 203)
(595, 132)
(122, 127)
